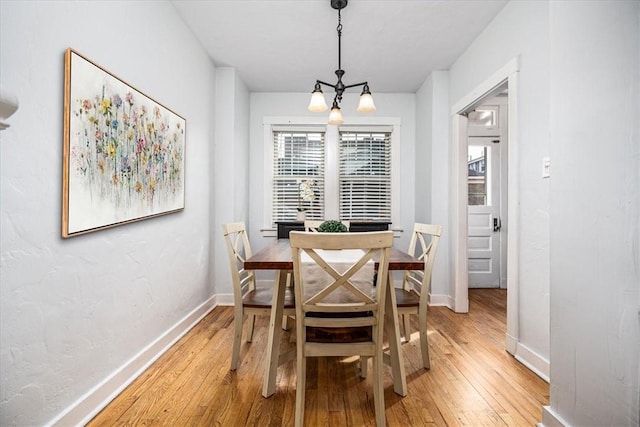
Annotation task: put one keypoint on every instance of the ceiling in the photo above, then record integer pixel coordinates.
(285, 45)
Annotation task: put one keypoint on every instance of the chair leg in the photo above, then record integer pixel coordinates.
(424, 343)
(407, 329)
(301, 382)
(364, 365)
(378, 390)
(251, 322)
(286, 323)
(237, 339)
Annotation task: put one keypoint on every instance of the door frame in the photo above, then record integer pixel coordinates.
(507, 75)
(501, 102)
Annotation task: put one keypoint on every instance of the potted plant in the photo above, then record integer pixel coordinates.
(305, 194)
(332, 226)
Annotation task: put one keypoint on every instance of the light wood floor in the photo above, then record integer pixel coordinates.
(473, 381)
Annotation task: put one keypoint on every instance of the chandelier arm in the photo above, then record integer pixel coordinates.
(357, 84)
(326, 84)
(345, 87)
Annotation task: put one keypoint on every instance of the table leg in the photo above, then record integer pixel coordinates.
(393, 335)
(273, 343)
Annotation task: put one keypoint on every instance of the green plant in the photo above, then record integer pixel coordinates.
(332, 226)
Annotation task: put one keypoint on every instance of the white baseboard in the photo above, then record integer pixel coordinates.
(85, 408)
(532, 360)
(512, 345)
(441, 300)
(224, 299)
(551, 419)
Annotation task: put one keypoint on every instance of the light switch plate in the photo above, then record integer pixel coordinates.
(546, 167)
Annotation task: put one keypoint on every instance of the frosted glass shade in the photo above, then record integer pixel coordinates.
(335, 117)
(366, 104)
(317, 103)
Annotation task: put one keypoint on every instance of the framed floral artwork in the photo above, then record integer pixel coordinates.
(124, 153)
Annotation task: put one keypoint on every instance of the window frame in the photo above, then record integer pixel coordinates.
(360, 130)
(331, 137)
(300, 130)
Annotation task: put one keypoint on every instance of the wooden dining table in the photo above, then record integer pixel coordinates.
(277, 256)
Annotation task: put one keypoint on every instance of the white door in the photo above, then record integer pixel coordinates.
(484, 222)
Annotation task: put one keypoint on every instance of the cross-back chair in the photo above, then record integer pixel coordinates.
(334, 291)
(412, 298)
(248, 299)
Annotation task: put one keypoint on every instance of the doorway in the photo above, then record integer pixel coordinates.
(506, 78)
(487, 158)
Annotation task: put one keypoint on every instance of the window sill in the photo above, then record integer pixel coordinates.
(273, 232)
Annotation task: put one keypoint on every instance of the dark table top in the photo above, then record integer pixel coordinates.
(277, 256)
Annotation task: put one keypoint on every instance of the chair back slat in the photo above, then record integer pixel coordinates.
(342, 281)
(238, 250)
(339, 285)
(423, 245)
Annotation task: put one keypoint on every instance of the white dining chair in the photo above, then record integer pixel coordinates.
(412, 298)
(248, 299)
(337, 298)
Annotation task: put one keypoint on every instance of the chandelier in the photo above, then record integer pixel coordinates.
(318, 103)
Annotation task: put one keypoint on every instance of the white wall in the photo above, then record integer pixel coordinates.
(595, 206)
(75, 311)
(295, 105)
(230, 174)
(521, 30)
(424, 143)
(432, 174)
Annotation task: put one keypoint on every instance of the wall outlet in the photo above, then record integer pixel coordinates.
(546, 167)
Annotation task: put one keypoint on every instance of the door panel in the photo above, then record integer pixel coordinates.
(480, 243)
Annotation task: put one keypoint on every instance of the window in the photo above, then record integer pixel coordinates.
(351, 167)
(477, 175)
(485, 116)
(365, 176)
(297, 156)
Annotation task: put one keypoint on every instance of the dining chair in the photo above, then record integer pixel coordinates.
(334, 293)
(312, 225)
(248, 299)
(412, 298)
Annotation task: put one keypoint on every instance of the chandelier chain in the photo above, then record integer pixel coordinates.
(339, 29)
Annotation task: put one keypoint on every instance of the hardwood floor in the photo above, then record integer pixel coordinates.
(473, 381)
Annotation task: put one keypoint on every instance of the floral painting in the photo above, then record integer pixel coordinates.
(123, 155)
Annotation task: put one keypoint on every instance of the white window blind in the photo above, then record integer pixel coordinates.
(365, 176)
(297, 156)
